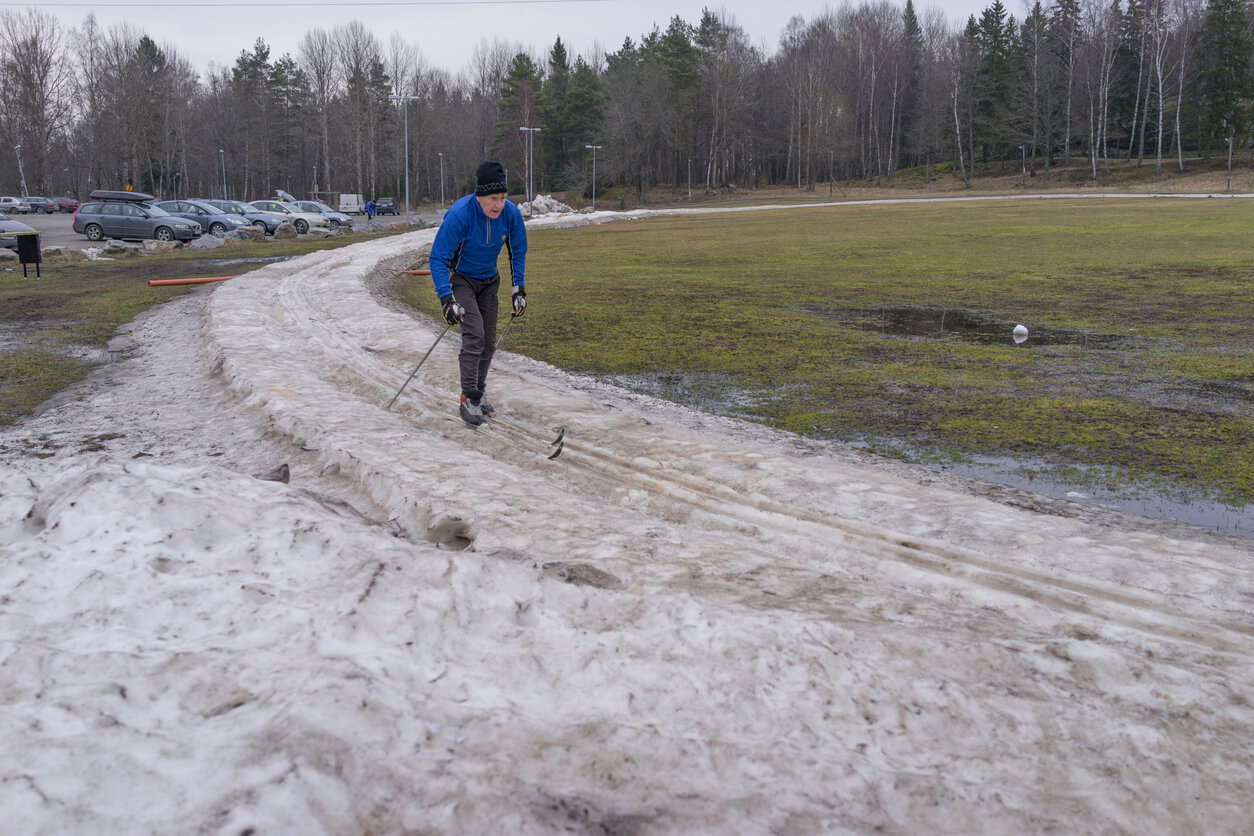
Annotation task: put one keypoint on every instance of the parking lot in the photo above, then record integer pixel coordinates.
(55, 230)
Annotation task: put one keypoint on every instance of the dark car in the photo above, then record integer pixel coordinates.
(211, 219)
(66, 204)
(41, 205)
(130, 215)
(267, 222)
(9, 229)
(385, 206)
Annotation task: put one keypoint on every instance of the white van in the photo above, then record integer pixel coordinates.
(352, 204)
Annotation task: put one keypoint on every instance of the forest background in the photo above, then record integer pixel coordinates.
(868, 91)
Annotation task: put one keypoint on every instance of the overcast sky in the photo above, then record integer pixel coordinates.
(446, 31)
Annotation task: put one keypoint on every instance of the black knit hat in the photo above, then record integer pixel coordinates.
(490, 179)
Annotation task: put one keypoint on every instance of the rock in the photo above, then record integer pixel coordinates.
(316, 233)
(245, 233)
(154, 246)
(285, 232)
(207, 242)
(7, 254)
(122, 249)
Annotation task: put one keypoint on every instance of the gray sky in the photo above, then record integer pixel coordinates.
(446, 31)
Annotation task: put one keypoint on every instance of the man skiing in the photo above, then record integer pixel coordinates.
(463, 269)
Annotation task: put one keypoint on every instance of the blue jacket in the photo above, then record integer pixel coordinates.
(470, 243)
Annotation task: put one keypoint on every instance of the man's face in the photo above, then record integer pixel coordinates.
(493, 204)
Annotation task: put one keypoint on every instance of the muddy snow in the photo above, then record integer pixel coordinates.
(239, 595)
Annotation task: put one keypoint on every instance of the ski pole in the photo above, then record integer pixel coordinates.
(512, 317)
(419, 366)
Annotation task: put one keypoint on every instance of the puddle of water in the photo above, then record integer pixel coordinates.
(1040, 477)
(968, 326)
(722, 394)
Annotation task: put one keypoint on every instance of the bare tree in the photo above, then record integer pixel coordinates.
(36, 90)
(317, 56)
(1188, 15)
(1101, 24)
(727, 64)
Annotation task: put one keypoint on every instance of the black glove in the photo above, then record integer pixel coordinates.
(519, 299)
(453, 312)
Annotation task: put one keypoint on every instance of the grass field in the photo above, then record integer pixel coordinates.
(890, 326)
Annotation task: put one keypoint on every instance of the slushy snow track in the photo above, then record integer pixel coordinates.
(682, 625)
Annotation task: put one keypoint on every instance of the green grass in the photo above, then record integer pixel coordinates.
(767, 313)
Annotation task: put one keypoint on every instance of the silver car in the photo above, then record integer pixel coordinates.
(301, 220)
(317, 207)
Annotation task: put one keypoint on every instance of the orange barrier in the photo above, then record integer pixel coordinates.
(417, 272)
(161, 282)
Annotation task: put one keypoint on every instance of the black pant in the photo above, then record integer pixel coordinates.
(479, 298)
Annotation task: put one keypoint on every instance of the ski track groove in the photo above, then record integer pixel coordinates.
(306, 321)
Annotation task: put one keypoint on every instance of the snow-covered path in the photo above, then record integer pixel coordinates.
(682, 625)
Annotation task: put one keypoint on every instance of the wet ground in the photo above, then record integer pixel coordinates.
(1104, 487)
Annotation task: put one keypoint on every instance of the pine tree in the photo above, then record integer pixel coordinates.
(1227, 87)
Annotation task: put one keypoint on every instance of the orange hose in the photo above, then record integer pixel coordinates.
(160, 282)
(417, 272)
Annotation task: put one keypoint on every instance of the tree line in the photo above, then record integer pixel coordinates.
(863, 91)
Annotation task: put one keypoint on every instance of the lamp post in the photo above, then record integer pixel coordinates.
(441, 153)
(1229, 139)
(222, 154)
(531, 132)
(594, 175)
(21, 173)
(690, 178)
(405, 100)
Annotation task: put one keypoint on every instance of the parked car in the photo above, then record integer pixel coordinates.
(267, 222)
(301, 220)
(66, 204)
(130, 215)
(385, 206)
(211, 219)
(317, 207)
(9, 229)
(14, 205)
(41, 205)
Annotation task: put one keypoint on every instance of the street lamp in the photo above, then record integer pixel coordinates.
(18, 149)
(594, 175)
(690, 178)
(405, 100)
(1229, 139)
(531, 132)
(441, 153)
(222, 154)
